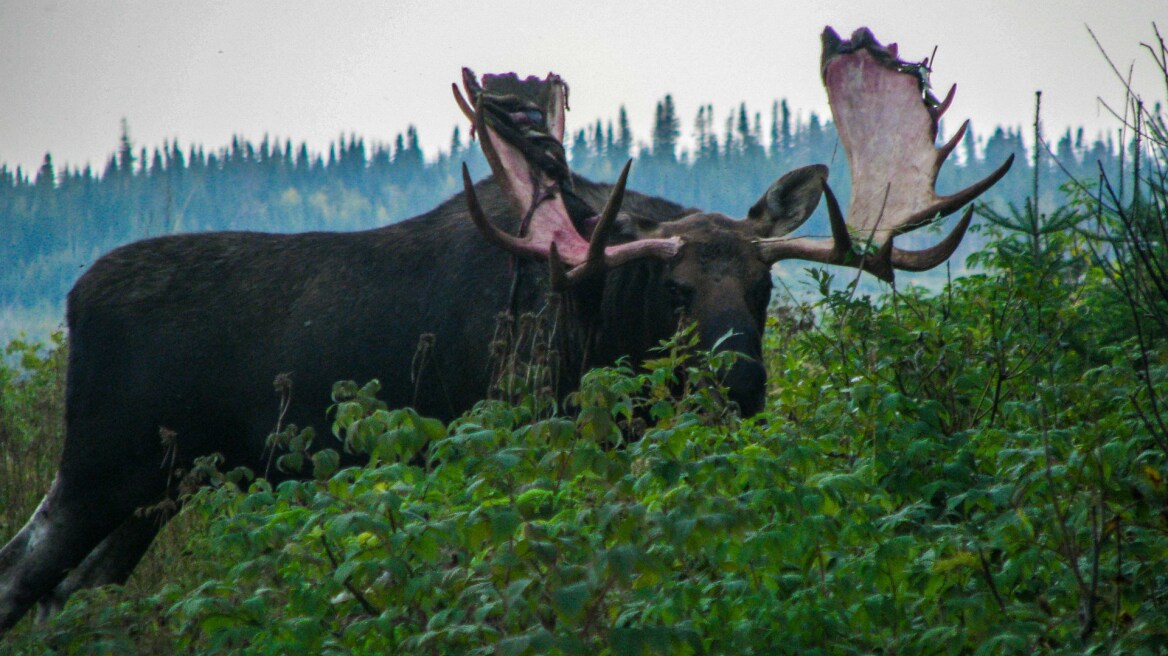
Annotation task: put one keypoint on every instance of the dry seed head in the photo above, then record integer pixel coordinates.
(498, 348)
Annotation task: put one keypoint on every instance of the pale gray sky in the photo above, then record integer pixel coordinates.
(201, 71)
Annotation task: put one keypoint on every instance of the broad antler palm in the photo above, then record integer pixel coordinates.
(887, 122)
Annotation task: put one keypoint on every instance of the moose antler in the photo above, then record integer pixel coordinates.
(887, 122)
(521, 126)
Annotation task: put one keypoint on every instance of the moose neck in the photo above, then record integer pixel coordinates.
(634, 314)
(596, 320)
(593, 324)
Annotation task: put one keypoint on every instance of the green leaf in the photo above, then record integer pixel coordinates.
(503, 524)
(569, 600)
(325, 464)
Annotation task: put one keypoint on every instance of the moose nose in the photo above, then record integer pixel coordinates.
(746, 382)
(746, 379)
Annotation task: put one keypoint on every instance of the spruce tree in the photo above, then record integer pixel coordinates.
(624, 144)
(665, 131)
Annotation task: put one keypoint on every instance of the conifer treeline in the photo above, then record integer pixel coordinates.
(55, 223)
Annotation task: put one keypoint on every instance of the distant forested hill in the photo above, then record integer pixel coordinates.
(57, 222)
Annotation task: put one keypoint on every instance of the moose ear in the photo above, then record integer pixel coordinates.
(789, 201)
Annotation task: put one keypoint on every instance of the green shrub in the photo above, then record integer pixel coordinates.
(32, 418)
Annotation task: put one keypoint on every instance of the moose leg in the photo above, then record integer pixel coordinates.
(111, 562)
(64, 529)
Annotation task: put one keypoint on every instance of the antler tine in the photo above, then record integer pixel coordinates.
(611, 208)
(462, 103)
(947, 205)
(943, 106)
(927, 258)
(840, 238)
(557, 273)
(878, 264)
(943, 151)
(597, 260)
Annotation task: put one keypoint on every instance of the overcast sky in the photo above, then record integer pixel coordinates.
(202, 71)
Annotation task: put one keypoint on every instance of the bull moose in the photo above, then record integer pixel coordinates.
(185, 333)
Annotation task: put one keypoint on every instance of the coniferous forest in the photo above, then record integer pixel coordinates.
(57, 222)
(978, 465)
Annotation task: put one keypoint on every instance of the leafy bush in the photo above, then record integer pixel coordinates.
(932, 475)
(32, 416)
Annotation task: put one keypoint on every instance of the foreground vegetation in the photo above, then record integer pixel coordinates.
(979, 470)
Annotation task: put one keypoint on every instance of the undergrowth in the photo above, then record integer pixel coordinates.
(933, 474)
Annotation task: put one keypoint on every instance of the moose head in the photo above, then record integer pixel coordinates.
(706, 267)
